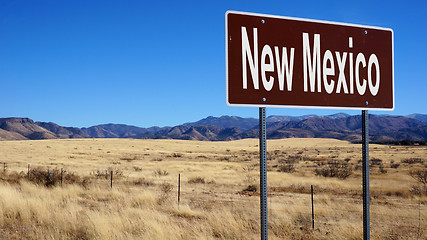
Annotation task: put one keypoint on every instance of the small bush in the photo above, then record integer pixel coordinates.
(165, 189)
(419, 190)
(137, 169)
(287, 168)
(251, 188)
(12, 177)
(143, 182)
(419, 175)
(100, 173)
(197, 180)
(335, 168)
(382, 170)
(294, 158)
(70, 178)
(49, 177)
(375, 161)
(106, 173)
(394, 165)
(85, 182)
(42, 177)
(129, 158)
(160, 173)
(413, 161)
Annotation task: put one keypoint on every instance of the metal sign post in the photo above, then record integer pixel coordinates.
(263, 172)
(365, 174)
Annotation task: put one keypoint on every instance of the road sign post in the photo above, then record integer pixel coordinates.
(365, 174)
(263, 172)
(275, 61)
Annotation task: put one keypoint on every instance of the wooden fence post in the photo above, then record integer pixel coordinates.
(312, 207)
(179, 188)
(111, 183)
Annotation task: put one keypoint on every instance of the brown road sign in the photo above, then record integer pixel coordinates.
(274, 61)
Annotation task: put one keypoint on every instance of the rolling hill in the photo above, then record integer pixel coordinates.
(338, 126)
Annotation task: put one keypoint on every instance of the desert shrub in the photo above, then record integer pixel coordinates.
(394, 165)
(375, 161)
(419, 190)
(42, 177)
(197, 180)
(413, 160)
(334, 168)
(137, 169)
(12, 177)
(294, 158)
(160, 173)
(419, 175)
(107, 173)
(248, 168)
(382, 170)
(142, 182)
(165, 189)
(129, 158)
(71, 178)
(52, 177)
(251, 188)
(287, 168)
(100, 173)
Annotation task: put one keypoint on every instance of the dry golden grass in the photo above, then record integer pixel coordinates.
(143, 201)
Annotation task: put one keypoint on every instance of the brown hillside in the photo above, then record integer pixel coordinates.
(23, 126)
(6, 135)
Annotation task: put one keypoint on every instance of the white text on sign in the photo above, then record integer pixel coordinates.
(318, 70)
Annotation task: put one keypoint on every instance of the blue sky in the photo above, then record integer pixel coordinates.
(162, 63)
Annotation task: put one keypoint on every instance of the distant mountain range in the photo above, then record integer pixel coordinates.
(382, 128)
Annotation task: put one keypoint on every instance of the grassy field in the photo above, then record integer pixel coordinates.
(219, 189)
